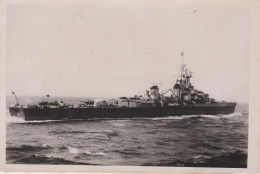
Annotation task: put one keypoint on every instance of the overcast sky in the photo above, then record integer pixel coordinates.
(119, 49)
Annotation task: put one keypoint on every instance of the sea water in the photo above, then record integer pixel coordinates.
(189, 141)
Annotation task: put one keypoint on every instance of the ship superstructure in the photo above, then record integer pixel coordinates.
(184, 100)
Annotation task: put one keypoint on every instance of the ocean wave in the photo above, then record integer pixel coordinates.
(111, 134)
(22, 121)
(37, 159)
(237, 159)
(10, 119)
(201, 156)
(88, 135)
(73, 150)
(204, 145)
(119, 124)
(94, 154)
(64, 131)
(236, 114)
(101, 137)
(87, 152)
(100, 154)
(27, 148)
(162, 124)
(13, 119)
(45, 145)
(173, 117)
(182, 117)
(44, 121)
(128, 151)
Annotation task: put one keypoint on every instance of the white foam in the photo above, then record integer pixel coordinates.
(44, 145)
(100, 154)
(87, 152)
(56, 150)
(42, 121)
(73, 150)
(165, 118)
(119, 124)
(14, 119)
(11, 119)
(103, 136)
(163, 124)
(95, 154)
(181, 117)
(106, 137)
(50, 156)
(109, 131)
(200, 156)
(210, 116)
(236, 114)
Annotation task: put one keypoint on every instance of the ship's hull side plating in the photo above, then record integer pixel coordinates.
(124, 112)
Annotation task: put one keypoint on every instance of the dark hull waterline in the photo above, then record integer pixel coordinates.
(88, 113)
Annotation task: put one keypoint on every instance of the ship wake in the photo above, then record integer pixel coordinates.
(219, 116)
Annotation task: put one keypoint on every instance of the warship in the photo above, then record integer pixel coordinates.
(184, 99)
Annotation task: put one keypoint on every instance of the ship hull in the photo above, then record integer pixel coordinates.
(89, 113)
(17, 112)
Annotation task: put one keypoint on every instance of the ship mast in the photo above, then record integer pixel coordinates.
(183, 75)
(186, 74)
(182, 66)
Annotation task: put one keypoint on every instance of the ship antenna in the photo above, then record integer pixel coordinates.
(182, 54)
(182, 65)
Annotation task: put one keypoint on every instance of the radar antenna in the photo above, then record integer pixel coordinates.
(159, 84)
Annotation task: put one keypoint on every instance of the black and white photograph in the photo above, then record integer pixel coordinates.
(150, 83)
